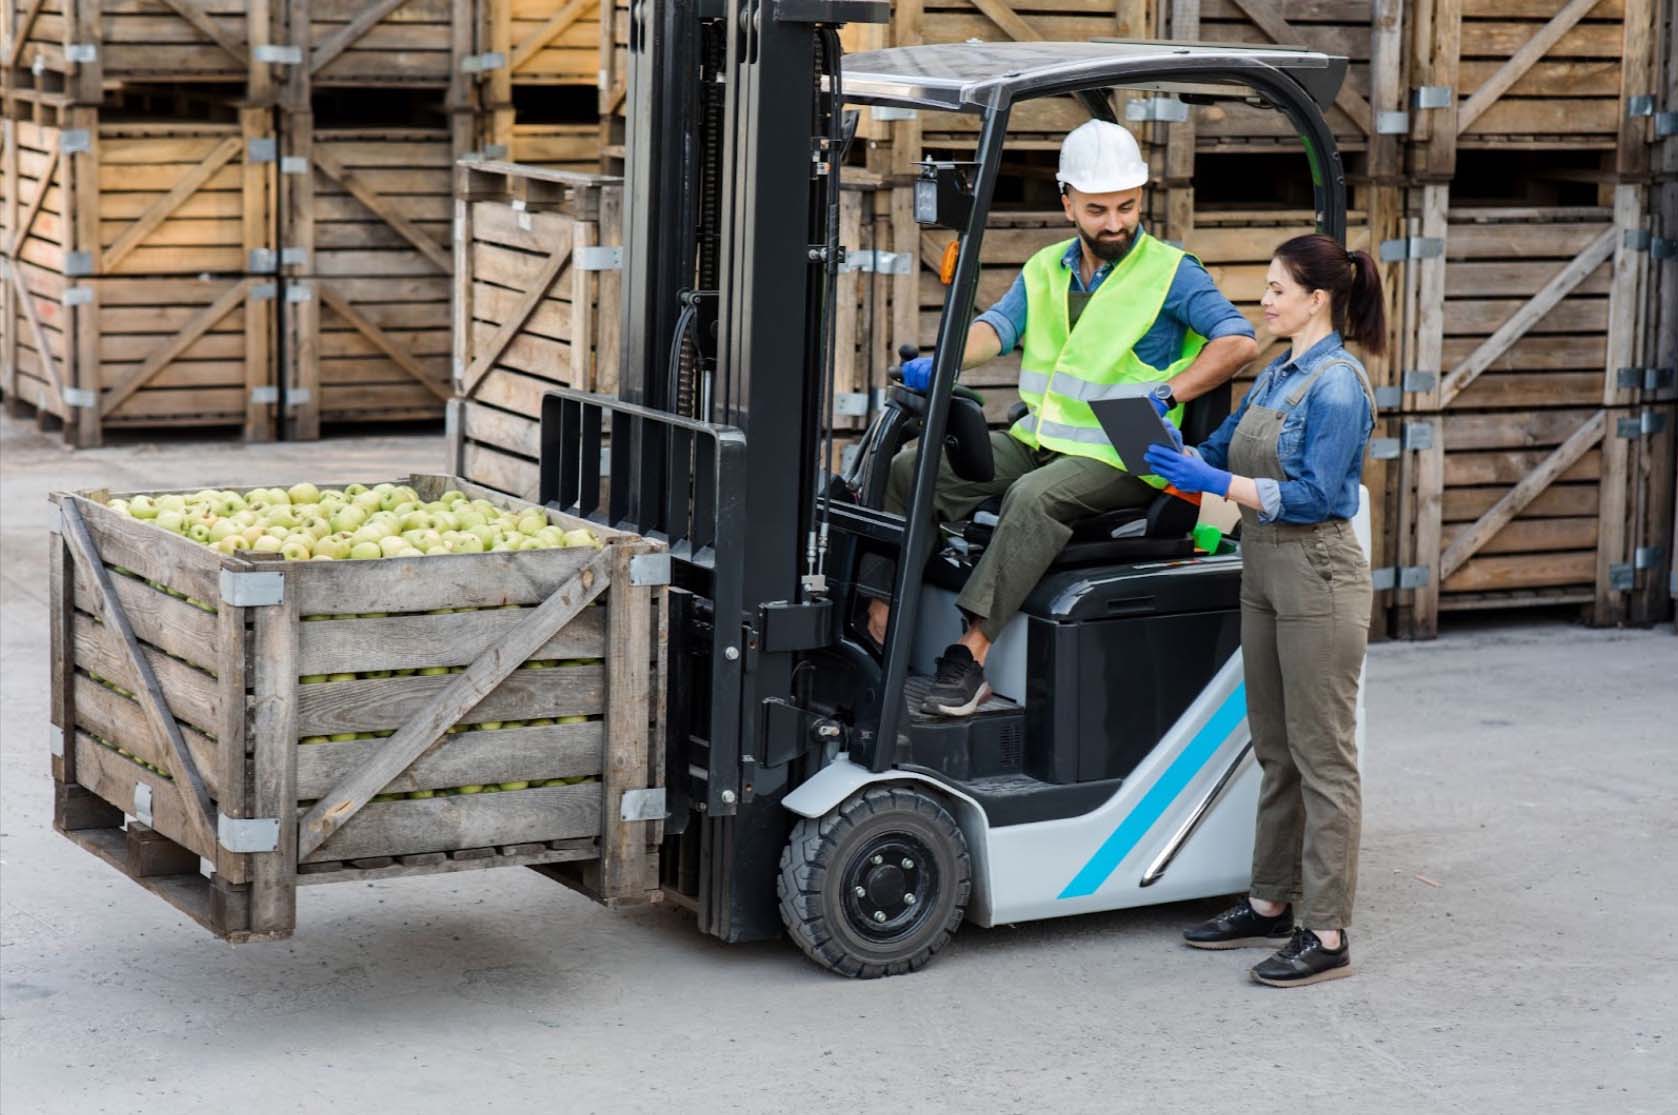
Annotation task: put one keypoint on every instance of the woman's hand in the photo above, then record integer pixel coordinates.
(1187, 473)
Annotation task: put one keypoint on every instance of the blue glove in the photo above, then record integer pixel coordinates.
(917, 373)
(1186, 472)
(1159, 404)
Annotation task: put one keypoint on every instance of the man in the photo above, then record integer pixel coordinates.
(1093, 317)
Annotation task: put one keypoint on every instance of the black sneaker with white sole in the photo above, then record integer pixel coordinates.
(959, 686)
(1304, 961)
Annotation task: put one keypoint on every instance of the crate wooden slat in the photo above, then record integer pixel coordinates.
(246, 670)
(1548, 74)
(545, 42)
(528, 317)
(380, 42)
(368, 325)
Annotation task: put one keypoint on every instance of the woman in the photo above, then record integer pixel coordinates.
(1292, 457)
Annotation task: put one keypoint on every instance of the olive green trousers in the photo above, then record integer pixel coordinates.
(1305, 600)
(1042, 492)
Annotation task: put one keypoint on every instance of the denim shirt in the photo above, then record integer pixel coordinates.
(1193, 302)
(1322, 440)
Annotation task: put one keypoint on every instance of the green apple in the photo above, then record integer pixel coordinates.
(312, 679)
(573, 720)
(439, 550)
(333, 546)
(555, 782)
(267, 544)
(582, 536)
(362, 551)
(530, 543)
(296, 549)
(199, 531)
(349, 519)
(394, 546)
(171, 520)
(470, 789)
(314, 739)
(303, 493)
(367, 501)
(353, 490)
(171, 502)
(451, 496)
(471, 544)
(417, 520)
(223, 528)
(142, 507)
(433, 671)
(231, 502)
(466, 518)
(539, 722)
(515, 786)
(418, 795)
(444, 520)
(318, 526)
(375, 673)
(230, 545)
(340, 677)
(342, 737)
(487, 726)
(532, 521)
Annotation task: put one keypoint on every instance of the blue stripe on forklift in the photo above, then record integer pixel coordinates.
(1160, 795)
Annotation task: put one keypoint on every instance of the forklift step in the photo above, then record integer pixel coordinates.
(990, 742)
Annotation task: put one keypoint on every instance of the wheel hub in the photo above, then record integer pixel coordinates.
(889, 886)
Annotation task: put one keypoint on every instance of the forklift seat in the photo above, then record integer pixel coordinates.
(1162, 529)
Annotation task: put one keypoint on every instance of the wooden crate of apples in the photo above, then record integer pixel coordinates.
(324, 682)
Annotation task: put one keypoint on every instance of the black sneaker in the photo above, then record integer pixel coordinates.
(1241, 927)
(1305, 961)
(959, 687)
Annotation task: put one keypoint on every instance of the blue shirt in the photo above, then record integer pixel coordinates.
(1322, 440)
(1193, 302)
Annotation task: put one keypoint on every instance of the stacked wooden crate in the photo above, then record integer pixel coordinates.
(137, 186)
(542, 75)
(536, 306)
(1537, 421)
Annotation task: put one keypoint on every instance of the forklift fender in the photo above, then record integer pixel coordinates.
(827, 788)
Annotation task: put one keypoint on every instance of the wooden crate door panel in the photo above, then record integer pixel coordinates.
(523, 302)
(195, 40)
(173, 350)
(554, 42)
(147, 182)
(380, 42)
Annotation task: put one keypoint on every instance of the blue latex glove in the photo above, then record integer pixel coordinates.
(1159, 404)
(917, 373)
(1186, 472)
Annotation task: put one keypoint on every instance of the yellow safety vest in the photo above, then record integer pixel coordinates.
(1062, 369)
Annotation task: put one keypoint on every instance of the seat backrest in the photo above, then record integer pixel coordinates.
(1203, 415)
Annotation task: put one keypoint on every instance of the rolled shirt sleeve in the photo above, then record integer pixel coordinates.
(1007, 317)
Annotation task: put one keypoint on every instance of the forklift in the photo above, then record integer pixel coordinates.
(806, 794)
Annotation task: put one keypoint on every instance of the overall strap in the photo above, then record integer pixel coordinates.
(1297, 395)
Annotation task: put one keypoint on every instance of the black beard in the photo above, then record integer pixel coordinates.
(1105, 250)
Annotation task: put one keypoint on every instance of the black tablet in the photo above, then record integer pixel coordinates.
(1132, 425)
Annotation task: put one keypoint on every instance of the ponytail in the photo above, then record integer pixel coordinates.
(1318, 262)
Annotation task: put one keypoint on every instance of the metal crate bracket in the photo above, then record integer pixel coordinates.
(248, 834)
(878, 262)
(598, 257)
(1431, 96)
(252, 590)
(643, 805)
(278, 54)
(1412, 247)
(1401, 577)
(1167, 110)
(80, 397)
(650, 569)
(142, 802)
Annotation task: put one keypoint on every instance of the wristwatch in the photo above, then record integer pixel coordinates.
(1162, 392)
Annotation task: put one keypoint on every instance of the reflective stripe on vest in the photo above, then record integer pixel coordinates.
(1063, 370)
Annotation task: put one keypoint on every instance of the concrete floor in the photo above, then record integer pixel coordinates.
(1526, 771)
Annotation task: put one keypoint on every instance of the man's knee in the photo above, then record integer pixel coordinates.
(901, 479)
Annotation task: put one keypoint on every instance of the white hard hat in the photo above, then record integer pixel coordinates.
(1100, 157)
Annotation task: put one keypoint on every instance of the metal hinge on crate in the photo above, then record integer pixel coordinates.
(650, 569)
(55, 739)
(1392, 123)
(877, 262)
(1412, 383)
(81, 52)
(142, 802)
(299, 292)
(1641, 104)
(294, 164)
(1412, 247)
(1417, 435)
(1647, 379)
(263, 149)
(73, 141)
(268, 395)
(247, 834)
(886, 114)
(1642, 240)
(265, 292)
(1164, 110)
(643, 805)
(482, 63)
(1431, 97)
(598, 257)
(277, 54)
(855, 404)
(1666, 124)
(267, 261)
(1643, 424)
(80, 397)
(78, 264)
(1400, 577)
(252, 590)
(78, 296)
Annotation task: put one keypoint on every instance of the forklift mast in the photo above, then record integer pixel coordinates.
(730, 252)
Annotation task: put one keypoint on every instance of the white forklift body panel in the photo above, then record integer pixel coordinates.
(1180, 827)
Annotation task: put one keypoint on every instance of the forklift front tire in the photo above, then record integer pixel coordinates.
(876, 886)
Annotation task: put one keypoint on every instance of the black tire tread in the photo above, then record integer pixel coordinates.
(804, 866)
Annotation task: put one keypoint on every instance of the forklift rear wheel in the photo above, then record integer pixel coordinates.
(876, 886)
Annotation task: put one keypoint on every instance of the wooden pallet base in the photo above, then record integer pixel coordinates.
(446, 863)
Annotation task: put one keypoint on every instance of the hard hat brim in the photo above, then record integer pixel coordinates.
(1108, 184)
